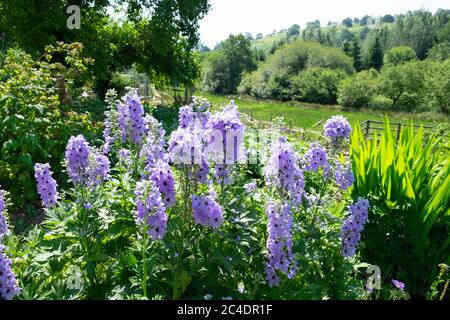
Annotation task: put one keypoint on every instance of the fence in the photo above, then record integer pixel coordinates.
(368, 127)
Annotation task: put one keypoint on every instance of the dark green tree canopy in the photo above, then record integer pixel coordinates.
(156, 33)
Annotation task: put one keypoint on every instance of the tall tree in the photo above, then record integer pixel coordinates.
(376, 54)
(158, 32)
(225, 67)
(356, 55)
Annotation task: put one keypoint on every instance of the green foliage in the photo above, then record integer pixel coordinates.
(162, 44)
(404, 85)
(357, 90)
(274, 76)
(399, 55)
(438, 86)
(224, 68)
(407, 183)
(375, 58)
(317, 85)
(439, 52)
(415, 29)
(34, 126)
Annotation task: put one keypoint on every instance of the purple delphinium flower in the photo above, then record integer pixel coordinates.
(250, 187)
(8, 282)
(315, 158)
(283, 172)
(201, 175)
(186, 116)
(3, 223)
(185, 148)
(150, 209)
(337, 127)
(398, 284)
(227, 125)
(131, 118)
(344, 175)
(206, 211)
(46, 185)
(83, 164)
(99, 169)
(77, 157)
(279, 242)
(353, 226)
(162, 177)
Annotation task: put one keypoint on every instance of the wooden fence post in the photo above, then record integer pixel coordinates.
(367, 128)
(399, 128)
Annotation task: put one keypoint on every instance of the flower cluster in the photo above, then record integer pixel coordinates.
(283, 172)
(154, 147)
(77, 157)
(185, 147)
(3, 223)
(8, 283)
(206, 210)
(46, 185)
(344, 175)
(162, 177)
(279, 242)
(150, 209)
(315, 158)
(337, 127)
(229, 125)
(131, 118)
(83, 164)
(353, 226)
(99, 169)
(185, 117)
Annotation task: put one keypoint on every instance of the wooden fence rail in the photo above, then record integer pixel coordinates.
(369, 126)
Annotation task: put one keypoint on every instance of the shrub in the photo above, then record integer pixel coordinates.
(274, 76)
(399, 55)
(379, 102)
(437, 86)
(357, 90)
(404, 85)
(317, 85)
(34, 123)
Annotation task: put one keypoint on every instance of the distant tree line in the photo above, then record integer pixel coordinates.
(401, 64)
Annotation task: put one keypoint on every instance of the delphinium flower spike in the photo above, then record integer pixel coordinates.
(46, 185)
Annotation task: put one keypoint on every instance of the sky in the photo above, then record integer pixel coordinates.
(263, 16)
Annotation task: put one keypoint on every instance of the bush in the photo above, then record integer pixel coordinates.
(357, 90)
(380, 102)
(399, 55)
(404, 85)
(274, 76)
(437, 86)
(34, 123)
(317, 85)
(439, 52)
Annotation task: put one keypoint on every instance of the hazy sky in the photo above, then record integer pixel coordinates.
(237, 16)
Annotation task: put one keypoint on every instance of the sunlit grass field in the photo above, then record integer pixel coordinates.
(307, 115)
